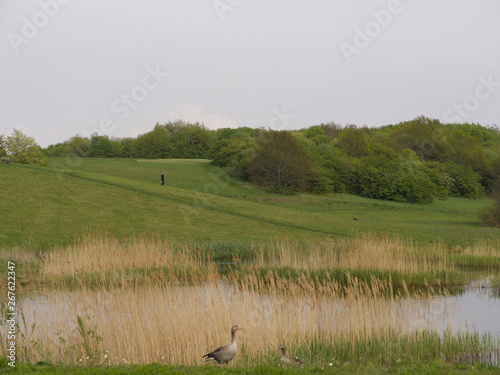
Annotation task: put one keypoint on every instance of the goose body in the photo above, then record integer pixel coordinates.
(225, 353)
(288, 361)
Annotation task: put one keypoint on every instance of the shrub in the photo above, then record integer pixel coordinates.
(491, 215)
(404, 182)
(23, 149)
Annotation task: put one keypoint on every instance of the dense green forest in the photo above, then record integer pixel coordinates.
(414, 161)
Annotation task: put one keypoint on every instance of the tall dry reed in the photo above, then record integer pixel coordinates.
(367, 252)
(102, 261)
(101, 253)
(177, 325)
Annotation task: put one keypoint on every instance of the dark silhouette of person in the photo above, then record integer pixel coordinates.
(162, 179)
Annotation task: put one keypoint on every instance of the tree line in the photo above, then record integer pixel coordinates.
(414, 161)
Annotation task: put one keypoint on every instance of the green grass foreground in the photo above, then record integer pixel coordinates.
(435, 367)
(46, 206)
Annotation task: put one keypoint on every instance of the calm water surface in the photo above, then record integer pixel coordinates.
(475, 309)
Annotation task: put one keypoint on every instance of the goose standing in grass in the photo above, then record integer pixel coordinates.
(225, 353)
(288, 361)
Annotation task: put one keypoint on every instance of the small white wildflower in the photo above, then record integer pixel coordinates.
(330, 364)
(105, 356)
(80, 359)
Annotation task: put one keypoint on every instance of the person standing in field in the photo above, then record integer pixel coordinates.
(162, 179)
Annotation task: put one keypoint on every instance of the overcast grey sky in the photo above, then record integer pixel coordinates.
(120, 66)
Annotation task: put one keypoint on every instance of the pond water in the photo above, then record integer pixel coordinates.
(478, 309)
(475, 309)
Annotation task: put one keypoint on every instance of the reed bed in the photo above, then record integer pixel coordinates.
(479, 253)
(102, 261)
(98, 253)
(101, 253)
(150, 300)
(367, 252)
(177, 325)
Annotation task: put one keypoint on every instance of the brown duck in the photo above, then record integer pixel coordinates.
(288, 361)
(225, 353)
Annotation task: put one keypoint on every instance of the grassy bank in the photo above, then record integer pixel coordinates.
(46, 206)
(406, 368)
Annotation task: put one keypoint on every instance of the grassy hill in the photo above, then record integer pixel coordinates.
(42, 206)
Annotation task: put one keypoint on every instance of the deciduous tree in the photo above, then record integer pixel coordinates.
(280, 162)
(3, 150)
(23, 149)
(354, 142)
(424, 136)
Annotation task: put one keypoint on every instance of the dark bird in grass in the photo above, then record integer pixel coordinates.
(355, 219)
(225, 353)
(288, 361)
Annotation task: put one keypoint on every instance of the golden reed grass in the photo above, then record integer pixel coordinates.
(367, 252)
(479, 248)
(102, 261)
(177, 325)
(101, 253)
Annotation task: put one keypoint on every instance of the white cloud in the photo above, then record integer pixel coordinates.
(191, 112)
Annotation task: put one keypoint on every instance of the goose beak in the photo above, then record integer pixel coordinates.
(240, 327)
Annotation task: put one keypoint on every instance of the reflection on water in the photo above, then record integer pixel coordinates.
(478, 309)
(172, 311)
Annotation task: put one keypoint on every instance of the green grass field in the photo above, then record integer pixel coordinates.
(43, 206)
